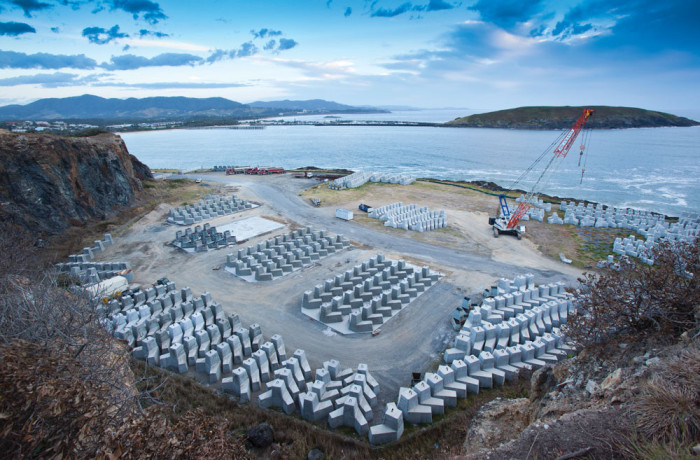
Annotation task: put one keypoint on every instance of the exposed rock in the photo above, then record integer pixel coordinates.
(540, 383)
(496, 423)
(50, 182)
(261, 435)
(315, 454)
(613, 379)
(592, 386)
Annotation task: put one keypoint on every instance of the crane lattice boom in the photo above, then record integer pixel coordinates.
(559, 152)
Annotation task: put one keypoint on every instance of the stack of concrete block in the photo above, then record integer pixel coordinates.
(284, 254)
(338, 396)
(202, 239)
(360, 178)
(409, 217)
(555, 219)
(402, 179)
(534, 214)
(177, 331)
(208, 208)
(633, 247)
(521, 320)
(362, 299)
(94, 272)
(80, 266)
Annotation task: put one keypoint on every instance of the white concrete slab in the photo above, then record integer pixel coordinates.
(249, 228)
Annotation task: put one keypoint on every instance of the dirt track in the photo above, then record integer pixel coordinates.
(411, 341)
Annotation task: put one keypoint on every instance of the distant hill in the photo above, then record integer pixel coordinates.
(311, 105)
(96, 108)
(604, 117)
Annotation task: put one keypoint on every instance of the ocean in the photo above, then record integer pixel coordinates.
(656, 169)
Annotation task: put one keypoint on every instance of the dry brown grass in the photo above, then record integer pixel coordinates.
(668, 407)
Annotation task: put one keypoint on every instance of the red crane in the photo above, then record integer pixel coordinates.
(507, 222)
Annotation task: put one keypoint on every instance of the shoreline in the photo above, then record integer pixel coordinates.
(481, 186)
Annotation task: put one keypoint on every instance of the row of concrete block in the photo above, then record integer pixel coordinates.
(155, 318)
(79, 265)
(209, 207)
(440, 390)
(158, 293)
(462, 376)
(519, 283)
(281, 255)
(360, 178)
(208, 340)
(409, 217)
(94, 272)
(202, 239)
(516, 315)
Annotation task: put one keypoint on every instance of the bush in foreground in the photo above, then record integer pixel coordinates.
(638, 300)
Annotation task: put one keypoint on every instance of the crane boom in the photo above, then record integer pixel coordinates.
(566, 143)
(559, 152)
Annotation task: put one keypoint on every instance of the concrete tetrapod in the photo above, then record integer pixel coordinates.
(391, 427)
(277, 395)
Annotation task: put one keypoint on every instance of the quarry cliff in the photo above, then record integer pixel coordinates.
(48, 183)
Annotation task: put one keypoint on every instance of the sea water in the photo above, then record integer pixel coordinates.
(657, 169)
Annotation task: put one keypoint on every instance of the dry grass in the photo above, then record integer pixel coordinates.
(668, 407)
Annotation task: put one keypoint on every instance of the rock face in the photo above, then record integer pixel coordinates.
(48, 183)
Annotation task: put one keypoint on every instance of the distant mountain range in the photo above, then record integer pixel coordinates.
(312, 105)
(544, 117)
(88, 107)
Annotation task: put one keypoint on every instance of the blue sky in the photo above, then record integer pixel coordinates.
(481, 54)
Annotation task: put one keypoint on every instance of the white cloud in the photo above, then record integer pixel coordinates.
(167, 44)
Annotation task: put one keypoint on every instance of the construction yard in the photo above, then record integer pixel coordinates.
(465, 252)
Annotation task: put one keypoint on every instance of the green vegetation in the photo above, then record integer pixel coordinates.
(546, 117)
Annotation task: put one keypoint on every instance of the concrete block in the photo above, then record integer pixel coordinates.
(300, 355)
(236, 349)
(279, 346)
(391, 428)
(277, 395)
(238, 384)
(212, 366)
(251, 367)
(425, 397)
(226, 357)
(450, 383)
(263, 365)
(244, 337)
(437, 390)
(413, 412)
(271, 352)
(349, 415)
(312, 409)
(178, 359)
(286, 375)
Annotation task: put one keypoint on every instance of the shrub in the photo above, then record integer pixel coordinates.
(639, 299)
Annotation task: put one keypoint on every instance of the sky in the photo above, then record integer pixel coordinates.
(482, 54)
